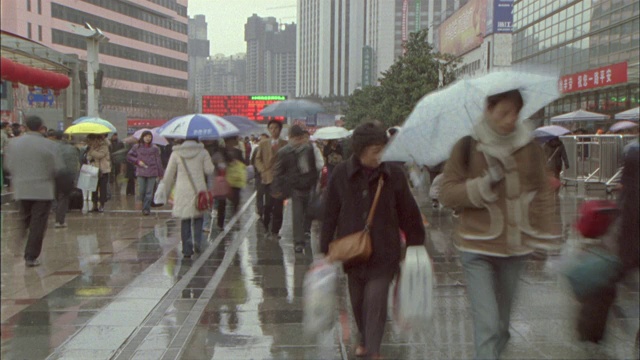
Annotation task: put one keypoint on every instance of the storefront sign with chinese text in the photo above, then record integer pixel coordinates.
(595, 78)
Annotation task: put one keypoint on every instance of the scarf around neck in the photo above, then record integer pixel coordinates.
(501, 146)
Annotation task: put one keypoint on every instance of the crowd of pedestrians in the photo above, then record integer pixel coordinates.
(504, 209)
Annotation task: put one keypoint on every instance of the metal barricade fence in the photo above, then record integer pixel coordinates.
(594, 158)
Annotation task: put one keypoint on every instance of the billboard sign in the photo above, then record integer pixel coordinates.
(594, 78)
(465, 29)
(502, 16)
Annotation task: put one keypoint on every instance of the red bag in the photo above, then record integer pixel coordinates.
(205, 200)
(595, 217)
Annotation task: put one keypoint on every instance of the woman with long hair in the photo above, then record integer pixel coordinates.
(145, 156)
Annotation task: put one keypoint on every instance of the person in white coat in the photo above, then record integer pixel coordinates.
(197, 160)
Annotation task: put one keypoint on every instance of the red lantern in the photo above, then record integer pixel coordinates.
(62, 81)
(20, 72)
(36, 77)
(7, 68)
(49, 79)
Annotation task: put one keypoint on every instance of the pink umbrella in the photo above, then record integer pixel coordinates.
(157, 138)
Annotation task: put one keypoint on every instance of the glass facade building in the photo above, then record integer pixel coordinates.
(578, 36)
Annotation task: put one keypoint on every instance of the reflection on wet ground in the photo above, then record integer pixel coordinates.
(115, 285)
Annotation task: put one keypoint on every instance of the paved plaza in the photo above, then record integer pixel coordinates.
(115, 286)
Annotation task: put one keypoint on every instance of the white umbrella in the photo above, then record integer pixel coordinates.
(296, 108)
(579, 115)
(441, 118)
(631, 114)
(623, 125)
(157, 138)
(546, 133)
(331, 133)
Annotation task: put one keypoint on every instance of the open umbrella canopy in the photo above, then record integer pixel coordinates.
(441, 118)
(631, 114)
(623, 125)
(95, 120)
(546, 133)
(331, 133)
(245, 125)
(201, 126)
(296, 108)
(579, 115)
(157, 138)
(87, 128)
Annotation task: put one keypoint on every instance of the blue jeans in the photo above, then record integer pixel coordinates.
(491, 284)
(191, 233)
(145, 191)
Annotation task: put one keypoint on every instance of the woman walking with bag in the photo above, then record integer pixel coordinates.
(188, 167)
(98, 155)
(146, 158)
(354, 185)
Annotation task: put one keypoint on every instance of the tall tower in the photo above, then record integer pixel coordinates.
(198, 53)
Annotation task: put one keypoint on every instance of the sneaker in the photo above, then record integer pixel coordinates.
(60, 225)
(101, 209)
(435, 204)
(32, 263)
(299, 249)
(146, 212)
(206, 230)
(275, 235)
(187, 256)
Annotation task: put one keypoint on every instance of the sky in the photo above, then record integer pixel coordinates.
(226, 19)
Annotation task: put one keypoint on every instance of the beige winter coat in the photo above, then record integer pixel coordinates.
(99, 155)
(512, 217)
(266, 158)
(198, 162)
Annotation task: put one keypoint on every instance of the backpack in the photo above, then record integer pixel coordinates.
(303, 174)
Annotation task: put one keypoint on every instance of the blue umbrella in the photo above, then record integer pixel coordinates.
(245, 125)
(95, 120)
(292, 108)
(201, 126)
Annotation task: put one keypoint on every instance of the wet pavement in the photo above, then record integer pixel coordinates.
(115, 286)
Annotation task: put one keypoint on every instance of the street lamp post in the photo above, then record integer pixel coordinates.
(94, 37)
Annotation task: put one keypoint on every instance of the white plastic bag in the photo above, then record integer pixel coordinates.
(88, 178)
(434, 191)
(160, 197)
(319, 291)
(412, 291)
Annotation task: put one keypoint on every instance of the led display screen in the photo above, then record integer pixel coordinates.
(241, 105)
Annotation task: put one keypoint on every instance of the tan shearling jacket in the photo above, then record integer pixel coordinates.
(509, 218)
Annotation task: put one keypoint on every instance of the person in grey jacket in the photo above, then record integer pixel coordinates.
(70, 157)
(34, 163)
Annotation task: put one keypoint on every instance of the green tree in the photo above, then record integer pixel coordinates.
(413, 75)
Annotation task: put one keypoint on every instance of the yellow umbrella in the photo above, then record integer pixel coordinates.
(87, 128)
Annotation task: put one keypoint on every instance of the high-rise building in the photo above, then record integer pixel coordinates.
(270, 55)
(344, 45)
(144, 62)
(595, 45)
(222, 75)
(198, 54)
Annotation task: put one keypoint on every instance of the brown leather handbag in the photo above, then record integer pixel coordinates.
(356, 247)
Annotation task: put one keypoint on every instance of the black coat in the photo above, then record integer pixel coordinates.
(349, 198)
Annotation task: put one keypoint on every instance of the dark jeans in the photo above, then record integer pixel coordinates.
(259, 194)
(369, 296)
(101, 194)
(191, 233)
(301, 222)
(234, 197)
(62, 207)
(273, 209)
(34, 215)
